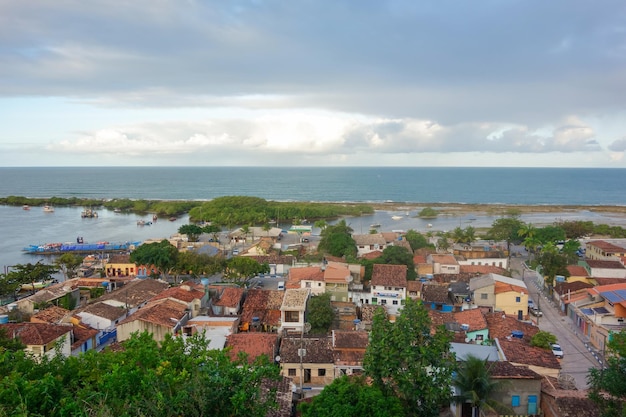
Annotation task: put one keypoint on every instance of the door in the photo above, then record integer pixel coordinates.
(532, 404)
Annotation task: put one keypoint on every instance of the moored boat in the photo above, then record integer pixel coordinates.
(48, 209)
(88, 214)
(35, 286)
(375, 225)
(26, 207)
(396, 217)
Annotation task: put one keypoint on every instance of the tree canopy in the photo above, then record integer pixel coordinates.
(416, 240)
(337, 240)
(476, 386)
(607, 386)
(162, 255)
(320, 313)
(240, 269)
(405, 360)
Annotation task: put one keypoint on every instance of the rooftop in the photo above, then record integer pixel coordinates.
(295, 299)
(253, 344)
(318, 350)
(389, 275)
(36, 334)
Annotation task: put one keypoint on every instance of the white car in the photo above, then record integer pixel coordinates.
(557, 351)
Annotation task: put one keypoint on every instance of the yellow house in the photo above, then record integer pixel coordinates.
(500, 293)
(120, 266)
(315, 367)
(577, 273)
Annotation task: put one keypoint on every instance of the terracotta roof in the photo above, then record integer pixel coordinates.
(606, 246)
(444, 259)
(52, 314)
(481, 269)
(336, 274)
(164, 313)
(295, 299)
(504, 287)
(611, 287)
(562, 288)
(369, 239)
(119, 259)
(403, 244)
(274, 259)
(82, 333)
(502, 326)
(104, 310)
(438, 318)
(419, 259)
(608, 281)
(182, 293)
(506, 370)
(577, 271)
(597, 263)
(36, 334)
(254, 344)
(136, 292)
(230, 297)
(264, 304)
(350, 339)
(389, 275)
(372, 255)
(318, 350)
(414, 286)
(435, 293)
(367, 312)
(283, 395)
(308, 273)
(474, 318)
(91, 282)
(517, 351)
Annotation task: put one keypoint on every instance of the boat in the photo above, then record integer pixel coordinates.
(117, 210)
(26, 207)
(396, 217)
(173, 219)
(36, 286)
(89, 214)
(141, 222)
(59, 248)
(375, 225)
(154, 218)
(48, 209)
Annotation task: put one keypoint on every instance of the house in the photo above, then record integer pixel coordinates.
(134, 294)
(604, 250)
(388, 287)
(520, 388)
(63, 294)
(84, 338)
(521, 353)
(337, 279)
(292, 310)
(459, 295)
(193, 299)
(566, 292)
(502, 326)
(101, 316)
(444, 264)
(279, 264)
(346, 315)
(481, 255)
(414, 289)
(214, 329)
(53, 315)
(369, 243)
(314, 367)
(605, 268)
(229, 302)
(556, 402)
(422, 266)
(42, 339)
(577, 273)
(261, 310)
(474, 325)
(348, 351)
(158, 318)
(120, 266)
(311, 277)
(253, 345)
(500, 293)
(437, 297)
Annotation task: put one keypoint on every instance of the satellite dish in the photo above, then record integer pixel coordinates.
(349, 278)
(277, 358)
(307, 327)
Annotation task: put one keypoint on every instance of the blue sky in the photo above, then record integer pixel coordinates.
(308, 83)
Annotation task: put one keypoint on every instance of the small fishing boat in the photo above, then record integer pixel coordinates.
(36, 286)
(375, 225)
(89, 214)
(48, 209)
(396, 217)
(173, 219)
(26, 207)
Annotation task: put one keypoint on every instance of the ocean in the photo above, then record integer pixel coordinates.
(534, 186)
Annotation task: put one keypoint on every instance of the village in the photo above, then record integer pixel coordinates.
(485, 295)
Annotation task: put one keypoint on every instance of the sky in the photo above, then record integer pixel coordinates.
(313, 83)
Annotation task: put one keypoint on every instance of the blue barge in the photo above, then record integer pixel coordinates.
(59, 248)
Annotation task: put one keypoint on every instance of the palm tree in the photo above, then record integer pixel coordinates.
(477, 387)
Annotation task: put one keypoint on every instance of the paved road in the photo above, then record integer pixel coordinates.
(576, 357)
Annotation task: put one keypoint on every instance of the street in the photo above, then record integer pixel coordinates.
(576, 358)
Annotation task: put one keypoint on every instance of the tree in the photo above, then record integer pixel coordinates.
(7, 343)
(506, 229)
(405, 360)
(398, 255)
(351, 397)
(416, 240)
(162, 255)
(240, 269)
(193, 231)
(337, 240)
(30, 273)
(474, 381)
(213, 230)
(550, 234)
(68, 264)
(428, 213)
(552, 263)
(543, 339)
(607, 386)
(320, 313)
(443, 244)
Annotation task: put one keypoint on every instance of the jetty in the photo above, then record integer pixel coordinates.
(60, 248)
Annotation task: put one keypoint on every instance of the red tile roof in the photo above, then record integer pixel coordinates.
(389, 275)
(596, 263)
(517, 351)
(163, 313)
(606, 246)
(435, 293)
(503, 287)
(264, 304)
(52, 314)
(577, 271)
(474, 318)
(506, 370)
(372, 255)
(318, 350)
(350, 339)
(82, 333)
(182, 293)
(308, 273)
(501, 326)
(254, 344)
(336, 274)
(231, 297)
(36, 334)
(482, 269)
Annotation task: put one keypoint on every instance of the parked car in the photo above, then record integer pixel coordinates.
(557, 351)
(536, 312)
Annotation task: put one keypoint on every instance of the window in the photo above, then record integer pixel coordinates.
(383, 301)
(515, 401)
(308, 285)
(484, 296)
(394, 302)
(374, 300)
(321, 372)
(518, 299)
(292, 371)
(292, 316)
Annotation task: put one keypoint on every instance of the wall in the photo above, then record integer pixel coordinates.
(507, 302)
(523, 388)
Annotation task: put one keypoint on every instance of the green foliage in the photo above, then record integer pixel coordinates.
(8, 343)
(428, 213)
(552, 263)
(543, 339)
(320, 313)
(576, 229)
(238, 210)
(193, 231)
(607, 387)
(474, 381)
(177, 378)
(506, 229)
(467, 235)
(240, 269)
(25, 274)
(96, 292)
(68, 264)
(347, 397)
(337, 240)
(405, 360)
(549, 234)
(416, 240)
(162, 255)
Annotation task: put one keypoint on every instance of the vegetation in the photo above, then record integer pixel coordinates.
(337, 241)
(543, 339)
(398, 255)
(177, 378)
(417, 240)
(405, 360)
(193, 231)
(68, 264)
(241, 210)
(607, 386)
(506, 229)
(24, 274)
(162, 255)
(351, 397)
(320, 313)
(240, 269)
(428, 213)
(476, 386)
